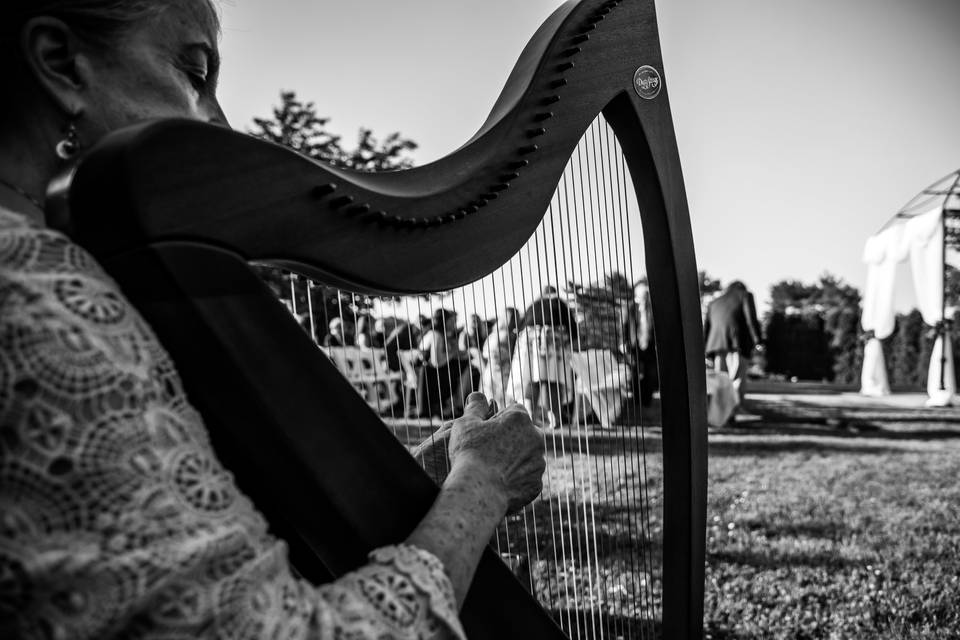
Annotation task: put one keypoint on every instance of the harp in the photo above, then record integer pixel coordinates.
(176, 211)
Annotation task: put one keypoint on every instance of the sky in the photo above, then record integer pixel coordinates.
(803, 125)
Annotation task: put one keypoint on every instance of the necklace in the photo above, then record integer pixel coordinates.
(22, 193)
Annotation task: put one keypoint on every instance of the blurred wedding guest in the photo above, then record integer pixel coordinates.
(640, 345)
(338, 335)
(474, 334)
(732, 332)
(541, 374)
(404, 337)
(440, 352)
(117, 520)
(380, 331)
(366, 336)
(497, 351)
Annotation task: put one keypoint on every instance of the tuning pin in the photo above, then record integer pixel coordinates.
(342, 201)
(324, 190)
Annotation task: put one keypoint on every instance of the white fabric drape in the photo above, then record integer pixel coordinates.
(920, 239)
(873, 377)
(882, 253)
(925, 235)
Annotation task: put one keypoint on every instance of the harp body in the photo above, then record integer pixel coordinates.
(176, 210)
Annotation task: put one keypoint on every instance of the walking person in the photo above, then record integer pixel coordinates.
(732, 332)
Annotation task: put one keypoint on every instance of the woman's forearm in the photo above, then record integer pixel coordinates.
(461, 522)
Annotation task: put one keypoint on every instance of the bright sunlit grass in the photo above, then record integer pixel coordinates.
(827, 537)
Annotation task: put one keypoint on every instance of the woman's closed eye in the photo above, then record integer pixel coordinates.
(197, 77)
(195, 64)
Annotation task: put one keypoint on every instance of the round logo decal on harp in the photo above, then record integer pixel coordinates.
(647, 82)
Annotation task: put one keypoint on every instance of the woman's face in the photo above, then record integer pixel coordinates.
(165, 67)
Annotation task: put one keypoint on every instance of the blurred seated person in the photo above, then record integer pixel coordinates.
(339, 334)
(367, 337)
(117, 520)
(474, 334)
(447, 376)
(541, 374)
(403, 337)
(497, 352)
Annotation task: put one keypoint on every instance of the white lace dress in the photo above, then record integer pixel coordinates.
(116, 519)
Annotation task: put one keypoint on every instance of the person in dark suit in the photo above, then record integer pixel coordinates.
(732, 332)
(639, 345)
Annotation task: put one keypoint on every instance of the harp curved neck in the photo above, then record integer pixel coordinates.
(440, 225)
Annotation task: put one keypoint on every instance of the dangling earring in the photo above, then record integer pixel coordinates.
(70, 145)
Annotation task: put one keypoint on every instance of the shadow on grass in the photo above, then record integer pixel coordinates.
(601, 532)
(580, 625)
(847, 429)
(772, 559)
(767, 448)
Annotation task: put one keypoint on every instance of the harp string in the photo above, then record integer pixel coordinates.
(573, 514)
(582, 205)
(595, 272)
(583, 442)
(639, 502)
(644, 504)
(639, 457)
(637, 555)
(548, 484)
(625, 438)
(540, 237)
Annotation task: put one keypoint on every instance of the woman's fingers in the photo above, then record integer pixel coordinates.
(476, 406)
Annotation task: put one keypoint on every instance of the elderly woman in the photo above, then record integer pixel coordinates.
(98, 538)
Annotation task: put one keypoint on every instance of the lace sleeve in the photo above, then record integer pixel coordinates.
(402, 593)
(116, 518)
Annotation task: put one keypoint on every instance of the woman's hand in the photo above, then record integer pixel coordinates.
(503, 449)
(496, 467)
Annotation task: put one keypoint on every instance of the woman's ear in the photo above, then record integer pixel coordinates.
(51, 50)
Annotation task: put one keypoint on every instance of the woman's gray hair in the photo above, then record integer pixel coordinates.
(99, 23)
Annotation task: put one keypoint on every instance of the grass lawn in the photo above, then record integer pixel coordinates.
(833, 537)
(843, 526)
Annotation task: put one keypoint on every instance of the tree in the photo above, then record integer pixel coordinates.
(709, 285)
(296, 125)
(813, 329)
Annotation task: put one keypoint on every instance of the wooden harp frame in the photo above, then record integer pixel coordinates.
(174, 210)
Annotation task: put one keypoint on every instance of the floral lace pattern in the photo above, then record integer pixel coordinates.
(116, 519)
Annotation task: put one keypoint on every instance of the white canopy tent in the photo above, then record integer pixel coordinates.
(927, 233)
